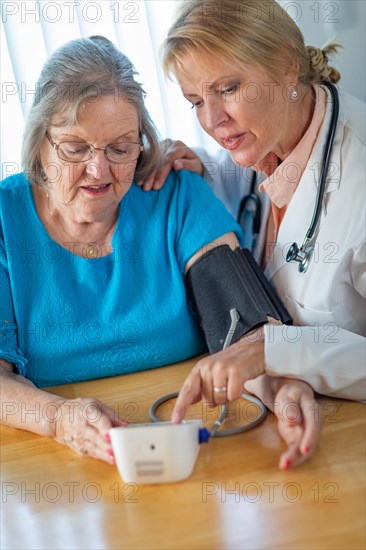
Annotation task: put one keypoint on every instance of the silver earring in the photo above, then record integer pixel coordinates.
(294, 94)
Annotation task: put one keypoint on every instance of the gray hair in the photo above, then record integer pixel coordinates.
(85, 68)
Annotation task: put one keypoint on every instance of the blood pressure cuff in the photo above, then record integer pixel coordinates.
(224, 279)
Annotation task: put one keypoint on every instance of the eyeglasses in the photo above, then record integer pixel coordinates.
(80, 151)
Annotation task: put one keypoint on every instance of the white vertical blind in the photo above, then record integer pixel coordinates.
(26, 47)
(11, 123)
(59, 25)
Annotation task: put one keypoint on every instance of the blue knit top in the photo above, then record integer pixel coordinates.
(64, 318)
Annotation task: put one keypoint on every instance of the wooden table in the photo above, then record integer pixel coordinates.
(235, 498)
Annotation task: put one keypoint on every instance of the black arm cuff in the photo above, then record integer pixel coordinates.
(224, 279)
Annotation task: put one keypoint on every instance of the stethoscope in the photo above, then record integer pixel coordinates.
(249, 215)
(204, 434)
(303, 254)
(250, 206)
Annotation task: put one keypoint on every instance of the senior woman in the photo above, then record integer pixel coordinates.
(91, 267)
(260, 93)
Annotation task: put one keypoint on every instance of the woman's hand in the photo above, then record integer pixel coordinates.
(299, 421)
(298, 415)
(220, 377)
(241, 366)
(175, 156)
(83, 425)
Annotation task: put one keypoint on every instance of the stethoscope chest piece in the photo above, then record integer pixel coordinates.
(301, 255)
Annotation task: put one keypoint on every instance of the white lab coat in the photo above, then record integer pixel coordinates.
(326, 345)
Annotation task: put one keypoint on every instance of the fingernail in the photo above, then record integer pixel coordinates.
(178, 165)
(307, 450)
(287, 464)
(123, 422)
(175, 418)
(112, 460)
(110, 452)
(107, 438)
(156, 182)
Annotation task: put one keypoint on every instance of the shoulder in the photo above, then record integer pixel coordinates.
(354, 119)
(14, 185)
(184, 180)
(14, 181)
(182, 191)
(194, 193)
(14, 195)
(178, 186)
(15, 202)
(185, 200)
(190, 184)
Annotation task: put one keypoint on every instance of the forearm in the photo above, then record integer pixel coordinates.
(25, 406)
(330, 359)
(265, 388)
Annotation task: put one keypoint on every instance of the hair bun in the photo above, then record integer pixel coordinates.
(319, 66)
(316, 56)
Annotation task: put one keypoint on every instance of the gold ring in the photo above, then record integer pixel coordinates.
(220, 389)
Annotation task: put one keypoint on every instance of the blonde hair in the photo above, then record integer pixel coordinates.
(82, 69)
(253, 32)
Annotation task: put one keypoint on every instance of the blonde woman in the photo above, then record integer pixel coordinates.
(270, 101)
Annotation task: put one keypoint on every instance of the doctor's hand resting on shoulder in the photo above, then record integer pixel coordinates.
(270, 101)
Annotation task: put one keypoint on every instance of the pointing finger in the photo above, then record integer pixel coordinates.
(190, 393)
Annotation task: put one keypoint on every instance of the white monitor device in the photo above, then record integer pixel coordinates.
(156, 453)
